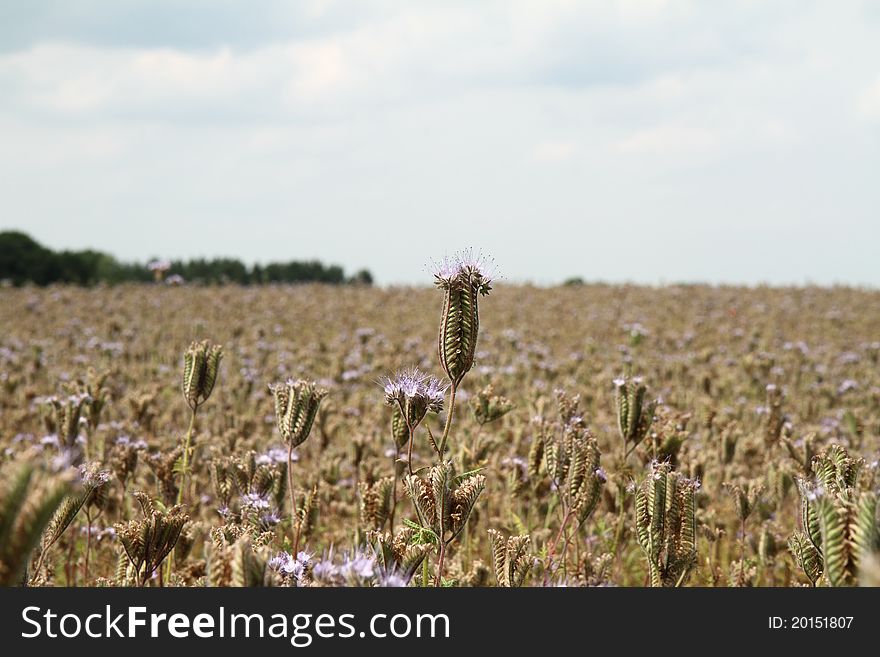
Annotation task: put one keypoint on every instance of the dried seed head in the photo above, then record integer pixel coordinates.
(488, 407)
(442, 501)
(375, 501)
(201, 362)
(397, 556)
(148, 541)
(634, 414)
(511, 558)
(296, 405)
(666, 524)
(67, 416)
(464, 277)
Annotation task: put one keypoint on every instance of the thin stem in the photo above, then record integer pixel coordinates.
(409, 448)
(69, 568)
(439, 579)
(184, 471)
(442, 556)
(38, 566)
(552, 550)
(411, 431)
(88, 546)
(448, 426)
(185, 465)
(621, 517)
(556, 540)
(394, 488)
(567, 542)
(296, 525)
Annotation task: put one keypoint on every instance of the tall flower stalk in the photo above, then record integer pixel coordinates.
(464, 278)
(201, 363)
(296, 405)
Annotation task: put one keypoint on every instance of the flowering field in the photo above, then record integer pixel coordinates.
(581, 435)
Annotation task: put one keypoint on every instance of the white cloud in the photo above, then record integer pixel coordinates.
(374, 123)
(869, 101)
(670, 139)
(554, 151)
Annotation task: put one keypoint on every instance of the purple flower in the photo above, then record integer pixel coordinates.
(466, 267)
(284, 563)
(254, 501)
(92, 476)
(272, 456)
(391, 580)
(412, 386)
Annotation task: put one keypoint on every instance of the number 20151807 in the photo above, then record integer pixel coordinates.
(810, 622)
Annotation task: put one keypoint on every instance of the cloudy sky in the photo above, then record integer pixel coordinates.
(642, 140)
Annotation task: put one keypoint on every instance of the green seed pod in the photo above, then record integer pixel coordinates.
(839, 519)
(201, 362)
(806, 555)
(459, 327)
(399, 430)
(464, 278)
(296, 405)
(536, 457)
(666, 525)
(634, 414)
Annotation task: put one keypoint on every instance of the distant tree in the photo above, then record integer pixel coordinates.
(362, 277)
(23, 260)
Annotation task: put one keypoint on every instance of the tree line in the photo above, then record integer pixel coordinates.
(24, 260)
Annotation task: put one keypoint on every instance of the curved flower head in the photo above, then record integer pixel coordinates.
(414, 392)
(296, 405)
(464, 277)
(201, 362)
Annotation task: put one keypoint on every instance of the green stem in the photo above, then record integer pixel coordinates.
(184, 471)
(448, 426)
(394, 489)
(439, 579)
(551, 552)
(442, 556)
(88, 546)
(412, 439)
(294, 516)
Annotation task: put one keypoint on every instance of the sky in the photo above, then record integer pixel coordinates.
(652, 141)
